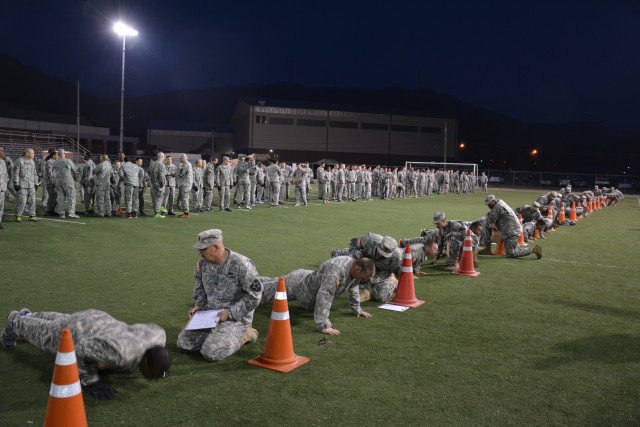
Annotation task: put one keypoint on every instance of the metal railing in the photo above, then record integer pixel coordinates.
(15, 142)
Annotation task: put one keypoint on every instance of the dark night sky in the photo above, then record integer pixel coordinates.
(537, 61)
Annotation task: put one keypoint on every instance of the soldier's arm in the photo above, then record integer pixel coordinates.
(251, 292)
(199, 294)
(324, 299)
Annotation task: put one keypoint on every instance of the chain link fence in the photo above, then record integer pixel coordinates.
(550, 180)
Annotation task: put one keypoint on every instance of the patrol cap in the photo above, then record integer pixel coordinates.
(208, 238)
(439, 216)
(225, 158)
(490, 198)
(241, 156)
(387, 246)
(536, 204)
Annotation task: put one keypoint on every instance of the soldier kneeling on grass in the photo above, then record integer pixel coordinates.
(100, 341)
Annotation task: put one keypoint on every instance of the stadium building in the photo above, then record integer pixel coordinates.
(295, 131)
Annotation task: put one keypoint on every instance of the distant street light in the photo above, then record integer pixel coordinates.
(534, 152)
(123, 30)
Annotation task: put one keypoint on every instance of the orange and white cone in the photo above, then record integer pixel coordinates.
(406, 293)
(561, 215)
(550, 214)
(572, 215)
(521, 241)
(500, 250)
(590, 206)
(466, 267)
(65, 406)
(278, 351)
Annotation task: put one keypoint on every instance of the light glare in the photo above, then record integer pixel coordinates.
(124, 30)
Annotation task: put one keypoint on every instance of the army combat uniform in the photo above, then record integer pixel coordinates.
(387, 256)
(316, 289)
(508, 223)
(25, 180)
(234, 286)
(98, 339)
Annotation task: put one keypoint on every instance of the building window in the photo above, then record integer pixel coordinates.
(404, 128)
(261, 119)
(311, 122)
(374, 126)
(431, 129)
(344, 125)
(280, 121)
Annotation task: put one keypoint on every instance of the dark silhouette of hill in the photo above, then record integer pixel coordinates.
(495, 140)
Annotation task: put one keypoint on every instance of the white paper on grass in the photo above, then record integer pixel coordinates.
(204, 319)
(393, 307)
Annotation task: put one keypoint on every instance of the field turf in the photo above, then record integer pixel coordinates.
(554, 341)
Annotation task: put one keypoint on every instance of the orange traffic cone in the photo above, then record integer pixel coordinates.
(65, 406)
(278, 352)
(500, 250)
(572, 214)
(406, 293)
(561, 215)
(590, 206)
(536, 234)
(466, 267)
(550, 214)
(599, 202)
(521, 236)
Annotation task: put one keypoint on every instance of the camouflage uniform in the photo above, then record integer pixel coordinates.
(185, 182)
(98, 338)
(234, 286)
(224, 177)
(157, 177)
(170, 189)
(102, 177)
(243, 182)
(4, 179)
(198, 188)
(89, 184)
(388, 259)
(273, 174)
(316, 289)
(508, 223)
(456, 232)
(64, 171)
(209, 185)
(131, 185)
(50, 184)
(24, 175)
(299, 177)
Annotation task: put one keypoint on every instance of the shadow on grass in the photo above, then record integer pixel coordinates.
(606, 349)
(593, 308)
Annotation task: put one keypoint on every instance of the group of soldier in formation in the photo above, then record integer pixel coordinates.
(367, 269)
(119, 188)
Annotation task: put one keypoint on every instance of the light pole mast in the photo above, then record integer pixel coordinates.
(124, 31)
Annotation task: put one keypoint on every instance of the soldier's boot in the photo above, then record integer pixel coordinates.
(250, 335)
(485, 251)
(8, 335)
(452, 266)
(365, 294)
(476, 260)
(537, 249)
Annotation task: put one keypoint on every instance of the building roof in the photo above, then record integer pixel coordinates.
(309, 105)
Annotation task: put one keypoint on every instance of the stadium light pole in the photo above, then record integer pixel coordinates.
(123, 30)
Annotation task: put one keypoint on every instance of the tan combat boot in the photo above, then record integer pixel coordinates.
(476, 260)
(537, 250)
(250, 335)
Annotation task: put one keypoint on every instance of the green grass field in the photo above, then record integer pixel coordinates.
(529, 342)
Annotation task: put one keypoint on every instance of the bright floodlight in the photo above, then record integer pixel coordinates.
(124, 30)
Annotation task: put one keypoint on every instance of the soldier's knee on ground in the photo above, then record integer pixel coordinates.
(365, 294)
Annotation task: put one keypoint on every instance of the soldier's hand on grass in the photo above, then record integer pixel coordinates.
(434, 261)
(223, 316)
(101, 391)
(364, 314)
(330, 331)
